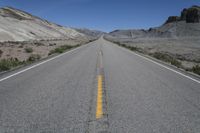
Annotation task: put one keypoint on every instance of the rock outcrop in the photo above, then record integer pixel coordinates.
(193, 15)
(190, 15)
(172, 19)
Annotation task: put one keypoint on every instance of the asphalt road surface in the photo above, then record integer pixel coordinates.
(99, 87)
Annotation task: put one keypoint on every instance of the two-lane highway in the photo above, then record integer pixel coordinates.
(99, 86)
(144, 97)
(53, 97)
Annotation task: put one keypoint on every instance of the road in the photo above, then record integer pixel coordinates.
(99, 87)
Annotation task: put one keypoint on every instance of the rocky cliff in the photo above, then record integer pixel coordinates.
(190, 15)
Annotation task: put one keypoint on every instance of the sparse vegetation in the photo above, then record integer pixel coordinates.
(158, 55)
(196, 69)
(6, 64)
(167, 58)
(38, 44)
(175, 60)
(161, 56)
(34, 57)
(62, 49)
(132, 48)
(1, 52)
(52, 44)
(176, 63)
(28, 50)
(10, 62)
(21, 46)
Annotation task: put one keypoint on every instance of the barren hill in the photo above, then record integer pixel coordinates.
(178, 38)
(17, 25)
(187, 25)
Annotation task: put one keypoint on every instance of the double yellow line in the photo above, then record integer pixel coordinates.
(99, 108)
(99, 104)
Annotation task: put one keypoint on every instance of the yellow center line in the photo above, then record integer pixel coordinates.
(101, 62)
(99, 107)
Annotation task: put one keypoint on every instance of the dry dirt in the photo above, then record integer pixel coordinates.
(42, 48)
(186, 50)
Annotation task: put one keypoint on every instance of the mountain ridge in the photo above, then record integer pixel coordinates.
(17, 25)
(187, 25)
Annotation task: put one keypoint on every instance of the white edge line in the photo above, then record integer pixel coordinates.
(161, 65)
(17, 73)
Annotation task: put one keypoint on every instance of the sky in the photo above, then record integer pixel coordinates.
(104, 15)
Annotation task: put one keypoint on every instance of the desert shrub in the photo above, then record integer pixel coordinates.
(28, 50)
(52, 44)
(167, 58)
(56, 50)
(34, 57)
(132, 48)
(1, 52)
(6, 64)
(62, 49)
(32, 33)
(162, 56)
(21, 46)
(38, 44)
(176, 63)
(196, 69)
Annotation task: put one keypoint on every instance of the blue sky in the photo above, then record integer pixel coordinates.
(105, 15)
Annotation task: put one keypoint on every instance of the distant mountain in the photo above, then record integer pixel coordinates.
(94, 33)
(17, 25)
(187, 25)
